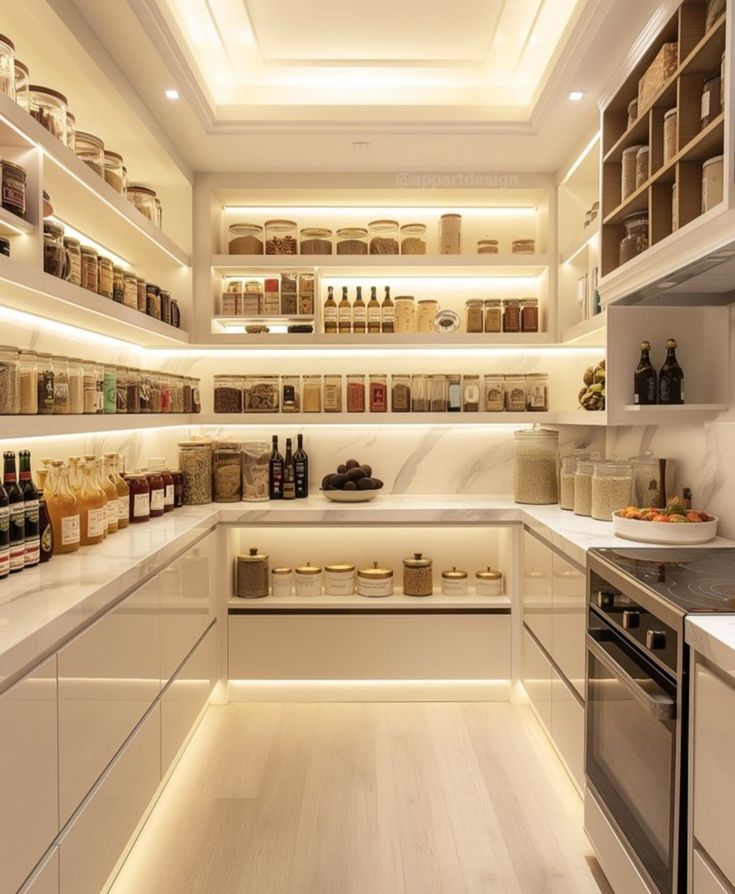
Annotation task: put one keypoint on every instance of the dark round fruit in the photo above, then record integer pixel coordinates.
(350, 486)
(326, 480)
(341, 469)
(338, 482)
(378, 483)
(332, 486)
(366, 484)
(356, 474)
(352, 464)
(368, 470)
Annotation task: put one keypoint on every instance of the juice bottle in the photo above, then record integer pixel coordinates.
(92, 508)
(63, 509)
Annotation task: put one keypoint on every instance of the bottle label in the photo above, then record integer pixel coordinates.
(47, 539)
(123, 508)
(4, 561)
(388, 315)
(32, 537)
(96, 521)
(374, 315)
(157, 498)
(111, 514)
(141, 506)
(17, 535)
(70, 530)
(168, 495)
(330, 314)
(359, 314)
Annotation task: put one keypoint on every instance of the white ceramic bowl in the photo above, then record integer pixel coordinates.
(664, 532)
(350, 496)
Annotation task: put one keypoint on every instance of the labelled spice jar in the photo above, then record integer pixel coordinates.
(355, 394)
(493, 315)
(339, 580)
(281, 581)
(511, 315)
(378, 394)
(529, 315)
(418, 577)
(454, 582)
(252, 575)
(13, 188)
(474, 316)
(332, 398)
(489, 582)
(375, 581)
(308, 580)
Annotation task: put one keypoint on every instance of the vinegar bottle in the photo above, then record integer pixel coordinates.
(123, 491)
(92, 508)
(63, 509)
(110, 490)
(91, 460)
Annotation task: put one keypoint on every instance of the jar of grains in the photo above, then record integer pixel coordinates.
(537, 392)
(628, 175)
(641, 166)
(339, 580)
(454, 582)
(413, 239)
(375, 581)
(7, 66)
(400, 393)
(28, 373)
(494, 393)
(383, 237)
(612, 488)
(352, 241)
(635, 240)
(515, 394)
(535, 466)
(493, 315)
(474, 316)
(245, 239)
(195, 462)
(308, 580)
(280, 237)
(450, 234)
(252, 575)
(315, 241)
(144, 199)
(566, 481)
(670, 138)
(227, 473)
(583, 488)
(418, 577)
(511, 315)
(529, 315)
(228, 394)
(9, 380)
(255, 458)
(281, 581)
(261, 394)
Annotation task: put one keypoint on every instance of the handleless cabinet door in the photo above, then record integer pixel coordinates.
(569, 621)
(108, 678)
(187, 603)
(29, 818)
(537, 599)
(45, 880)
(537, 678)
(704, 881)
(567, 727)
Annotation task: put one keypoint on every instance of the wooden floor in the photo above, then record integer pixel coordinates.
(365, 799)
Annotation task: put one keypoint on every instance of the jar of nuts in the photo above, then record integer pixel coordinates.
(418, 577)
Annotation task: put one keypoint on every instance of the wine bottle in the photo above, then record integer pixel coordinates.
(388, 313)
(359, 314)
(289, 474)
(671, 377)
(301, 468)
(275, 472)
(644, 379)
(374, 316)
(344, 314)
(330, 312)
(46, 531)
(32, 554)
(4, 533)
(17, 514)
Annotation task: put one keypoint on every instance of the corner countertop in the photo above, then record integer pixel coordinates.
(43, 607)
(713, 636)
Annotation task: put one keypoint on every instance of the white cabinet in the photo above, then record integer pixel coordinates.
(95, 839)
(29, 819)
(568, 620)
(186, 589)
(537, 588)
(567, 727)
(109, 676)
(713, 764)
(537, 678)
(45, 880)
(704, 880)
(184, 699)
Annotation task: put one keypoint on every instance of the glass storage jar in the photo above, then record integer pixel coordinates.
(195, 462)
(48, 107)
(71, 131)
(420, 400)
(383, 237)
(76, 385)
(245, 239)
(145, 390)
(493, 315)
(566, 481)
(62, 397)
(426, 312)
(670, 137)
(91, 150)
(583, 488)
(255, 458)
(281, 581)
(110, 389)
(511, 315)
(227, 473)
(647, 488)
(523, 246)
(400, 386)
(155, 392)
(290, 394)
(628, 172)
(355, 394)
(140, 497)
(28, 383)
(113, 168)
(450, 234)
(454, 582)
(261, 394)
(418, 576)
(252, 575)
(375, 581)
(7, 66)
(489, 582)
(413, 239)
(378, 394)
(339, 580)
(438, 394)
(118, 284)
(405, 314)
(515, 394)
(144, 199)
(612, 489)
(642, 160)
(308, 580)
(635, 240)
(535, 466)
(14, 188)
(312, 394)
(9, 381)
(164, 383)
(158, 217)
(711, 105)
(228, 394)
(142, 288)
(315, 241)
(22, 82)
(280, 237)
(90, 268)
(153, 301)
(332, 395)
(130, 290)
(474, 315)
(529, 315)
(105, 277)
(74, 260)
(494, 393)
(352, 241)
(55, 260)
(134, 391)
(471, 394)
(537, 392)
(712, 182)
(45, 384)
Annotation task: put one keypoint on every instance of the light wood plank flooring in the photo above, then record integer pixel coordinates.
(364, 798)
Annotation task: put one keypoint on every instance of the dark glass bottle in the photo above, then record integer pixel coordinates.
(373, 312)
(645, 390)
(671, 377)
(32, 522)
(17, 514)
(330, 312)
(46, 531)
(4, 533)
(344, 314)
(301, 468)
(359, 314)
(388, 313)
(289, 474)
(275, 472)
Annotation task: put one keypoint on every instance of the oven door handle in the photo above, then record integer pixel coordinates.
(662, 707)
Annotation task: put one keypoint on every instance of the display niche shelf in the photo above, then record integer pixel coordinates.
(237, 605)
(29, 289)
(277, 420)
(406, 265)
(12, 427)
(395, 341)
(671, 194)
(12, 225)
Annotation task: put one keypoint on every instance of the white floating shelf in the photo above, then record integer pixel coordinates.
(86, 201)
(12, 427)
(577, 251)
(35, 292)
(459, 341)
(12, 225)
(590, 332)
(671, 414)
(378, 420)
(396, 601)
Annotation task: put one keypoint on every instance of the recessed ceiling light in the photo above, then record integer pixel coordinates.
(361, 146)
(171, 93)
(575, 95)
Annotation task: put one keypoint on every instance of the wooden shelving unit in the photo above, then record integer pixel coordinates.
(698, 58)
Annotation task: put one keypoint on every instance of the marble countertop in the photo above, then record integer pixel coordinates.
(714, 637)
(42, 607)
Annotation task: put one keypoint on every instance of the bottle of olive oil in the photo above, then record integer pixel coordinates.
(359, 314)
(374, 317)
(330, 312)
(671, 377)
(388, 313)
(645, 382)
(344, 314)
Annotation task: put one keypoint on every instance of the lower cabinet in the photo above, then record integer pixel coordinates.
(29, 815)
(45, 880)
(704, 880)
(537, 678)
(96, 837)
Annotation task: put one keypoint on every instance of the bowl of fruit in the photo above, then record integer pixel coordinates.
(674, 525)
(353, 482)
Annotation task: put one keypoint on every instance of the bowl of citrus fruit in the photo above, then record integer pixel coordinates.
(673, 525)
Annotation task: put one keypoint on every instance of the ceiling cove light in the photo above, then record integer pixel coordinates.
(576, 95)
(172, 93)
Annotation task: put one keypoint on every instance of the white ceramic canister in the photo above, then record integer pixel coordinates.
(454, 582)
(339, 580)
(375, 581)
(489, 582)
(308, 580)
(281, 581)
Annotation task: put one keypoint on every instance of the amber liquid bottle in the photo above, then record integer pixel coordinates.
(388, 313)
(122, 490)
(92, 508)
(645, 390)
(63, 509)
(374, 316)
(344, 314)
(671, 377)
(330, 313)
(359, 314)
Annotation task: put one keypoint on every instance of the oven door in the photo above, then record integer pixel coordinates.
(631, 749)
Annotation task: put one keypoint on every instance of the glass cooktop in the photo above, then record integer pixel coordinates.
(695, 580)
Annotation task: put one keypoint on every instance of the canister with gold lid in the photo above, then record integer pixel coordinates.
(375, 581)
(489, 582)
(252, 575)
(418, 579)
(339, 579)
(308, 579)
(454, 582)
(281, 581)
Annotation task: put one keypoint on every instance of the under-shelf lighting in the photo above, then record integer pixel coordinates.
(85, 240)
(67, 436)
(581, 248)
(255, 353)
(64, 330)
(580, 158)
(8, 225)
(380, 211)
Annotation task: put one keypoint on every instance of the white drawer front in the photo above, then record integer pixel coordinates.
(537, 678)
(108, 678)
(567, 727)
(569, 621)
(45, 880)
(182, 702)
(29, 818)
(95, 840)
(704, 881)
(537, 589)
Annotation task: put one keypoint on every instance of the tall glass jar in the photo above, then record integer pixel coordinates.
(493, 315)
(378, 394)
(74, 260)
(420, 399)
(7, 66)
(494, 393)
(76, 386)
(122, 389)
(90, 387)
(110, 389)
(635, 240)
(438, 394)
(118, 284)
(612, 489)
(535, 466)
(566, 482)
(413, 239)
(9, 381)
(255, 459)
(145, 391)
(90, 268)
(280, 237)
(405, 314)
(537, 392)
(529, 315)
(311, 394)
(91, 150)
(332, 396)
(355, 394)
(62, 400)
(105, 277)
(227, 473)
(195, 462)
(45, 384)
(383, 237)
(511, 316)
(290, 394)
(474, 313)
(515, 394)
(28, 377)
(583, 488)
(130, 290)
(113, 166)
(22, 81)
(155, 392)
(48, 107)
(54, 254)
(450, 234)
(133, 390)
(400, 394)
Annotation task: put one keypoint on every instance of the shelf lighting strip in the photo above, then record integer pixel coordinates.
(8, 225)
(86, 240)
(380, 210)
(54, 327)
(228, 352)
(580, 158)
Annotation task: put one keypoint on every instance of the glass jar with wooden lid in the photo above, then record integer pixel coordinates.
(91, 150)
(113, 165)
(48, 107)
(144, 199)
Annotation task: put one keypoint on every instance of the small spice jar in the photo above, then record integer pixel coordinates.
(489, 582)
(308, 580)
(670, 138)
(537, 392)
(529, 315)
(28, 373)
(352, 241)
(9, 380)
(418, 578)
(511, 315)
(494, 393)
(227, 473)
(375, 581)
(252, 575)
(332, 394)
(195, 462)
(515, 394)
(450, 234)
(140, 497)
(378, 394)
(454, 582)
(583, 488)
(14, 188)
(471, 394)
(339, 580)
(400, 394)
(281, 581)
(474, 316)
(413, 239)
(493, 315)
(355, 394)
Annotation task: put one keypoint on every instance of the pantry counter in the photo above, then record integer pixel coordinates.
(44, 606)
